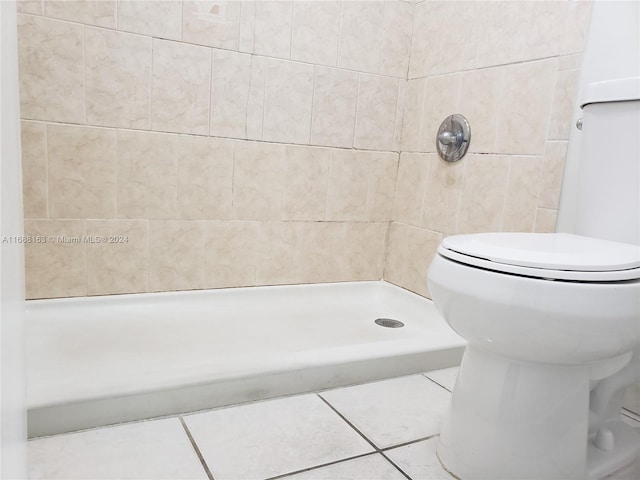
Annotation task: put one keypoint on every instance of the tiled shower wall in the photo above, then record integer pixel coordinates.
(253, 143)
(512, 69)
(217, 143)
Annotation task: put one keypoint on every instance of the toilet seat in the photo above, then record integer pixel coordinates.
(554, 256)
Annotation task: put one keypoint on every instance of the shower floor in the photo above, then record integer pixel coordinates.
(104, 360)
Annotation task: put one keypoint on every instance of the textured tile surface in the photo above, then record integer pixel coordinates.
(445, 377)
(419, 460)
(392, 411)
(369, 467)
(271, 438)
(148, 450)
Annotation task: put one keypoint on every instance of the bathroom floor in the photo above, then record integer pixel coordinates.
(384, 430)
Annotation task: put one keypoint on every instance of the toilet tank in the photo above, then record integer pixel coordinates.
(609, 167)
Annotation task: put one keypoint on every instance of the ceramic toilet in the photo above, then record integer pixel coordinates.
(552, 321)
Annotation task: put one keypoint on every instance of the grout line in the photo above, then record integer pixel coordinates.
(432, 380)
(410, 442)
(378, 450)
(256, 140)
(349, 423)
(196, 449)
(396, 466)
(315, 467)
(631, 414)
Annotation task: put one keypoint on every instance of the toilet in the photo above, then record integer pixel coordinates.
(552, 321)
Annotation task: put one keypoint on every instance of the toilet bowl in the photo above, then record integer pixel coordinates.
(545, 316)
(552, 320)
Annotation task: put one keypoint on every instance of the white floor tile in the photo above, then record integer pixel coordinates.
(158, 449)
(371, 467)
(445, 377)
(419, 460)
(393, 411)
(266, 439)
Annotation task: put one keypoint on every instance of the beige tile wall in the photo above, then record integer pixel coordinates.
(511, 68)
(211, 143)
(248, 143)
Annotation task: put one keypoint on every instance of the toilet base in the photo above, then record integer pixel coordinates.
(626, 449)
(514, 419)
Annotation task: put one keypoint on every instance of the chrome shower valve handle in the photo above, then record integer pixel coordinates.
(453, 138)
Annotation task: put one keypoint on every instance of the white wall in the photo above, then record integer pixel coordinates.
(12, 376)
(612, 51)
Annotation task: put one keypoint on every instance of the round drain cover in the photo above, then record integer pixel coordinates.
(389, 323)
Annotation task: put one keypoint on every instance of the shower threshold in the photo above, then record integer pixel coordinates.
(97, 361)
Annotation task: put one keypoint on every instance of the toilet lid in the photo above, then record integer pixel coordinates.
(560, 256)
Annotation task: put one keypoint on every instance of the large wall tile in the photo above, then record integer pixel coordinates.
(525, 107)
(545, 34)
(255, 102)
(480, 94)
(287, 102)
(180, 87)
(564, 97)
(272, 33)
(400, 105)
(211, 22)
(34, 7)
(576, 26)
(395, 255)
(421, 247)
(334, 107)
(545, 220)
(82, 172)
(121, 263)
(205, 178)
(445, 35)
(360, 39)
(383, 171)
(396, 39)
(412, 120)
(230, 82)
(56, 267)
(410, 185)
(409, 254)
(231, 254)
(118, 78)
(246, 42)
(483, 193)
(306, 173)
(522, 194)
(101, 13)
(176, 255)
(315, 32)
(443, 188)
(364, 253)
(34, 170)
(376, 112)
(279, 256)
(258, 181)
(147, 175)
(348, 185)
(51, 57)
(160, 18)
(554, 158)
(323, 251)
(503, 32)
(441, 99)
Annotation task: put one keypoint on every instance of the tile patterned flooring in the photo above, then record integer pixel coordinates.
(384, 430)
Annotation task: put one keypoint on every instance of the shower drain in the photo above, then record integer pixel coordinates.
(389, 323)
